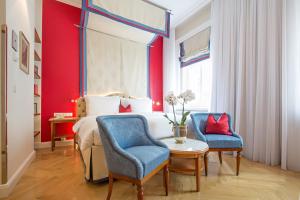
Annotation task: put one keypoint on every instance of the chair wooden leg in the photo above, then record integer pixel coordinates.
(110, 187)
(238, 160)
(140, 190)
(220, 156)
(205, 163)
(166, 179)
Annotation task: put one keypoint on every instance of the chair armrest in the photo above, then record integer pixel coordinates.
(234, 134)
(150, 138)
(199, 135)
(156, 142)
(116, 157)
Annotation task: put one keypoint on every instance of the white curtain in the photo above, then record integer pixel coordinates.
(246, 56)
(291, 86)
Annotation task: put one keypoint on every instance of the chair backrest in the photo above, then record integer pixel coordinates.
(125, 130)
(199, 120)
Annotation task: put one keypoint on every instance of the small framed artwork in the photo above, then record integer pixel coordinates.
(24, 53)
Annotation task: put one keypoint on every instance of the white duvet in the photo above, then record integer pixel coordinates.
(87, 128)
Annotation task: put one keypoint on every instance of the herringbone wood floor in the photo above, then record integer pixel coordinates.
(59, 175)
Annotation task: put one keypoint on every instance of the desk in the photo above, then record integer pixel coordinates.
(53, 122)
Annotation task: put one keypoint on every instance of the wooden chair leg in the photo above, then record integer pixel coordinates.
(220, 156)
(238, 160)
(166, 179)
(197, 174)
(140, 190)
(110, 187)
(205, 163)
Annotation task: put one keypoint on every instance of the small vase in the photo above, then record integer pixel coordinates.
(180, 133)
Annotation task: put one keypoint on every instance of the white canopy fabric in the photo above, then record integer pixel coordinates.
(115, 40)
(115, 65)
(105, 25)
(134, 10)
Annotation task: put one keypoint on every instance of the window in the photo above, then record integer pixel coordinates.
(198, 78)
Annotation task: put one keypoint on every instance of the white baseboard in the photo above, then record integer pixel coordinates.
(43, 145)
(7, 188)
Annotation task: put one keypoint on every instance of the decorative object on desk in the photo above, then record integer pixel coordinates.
(35, 108)
(14, 41)
(62, 115)
(24, 53)
(179, 128)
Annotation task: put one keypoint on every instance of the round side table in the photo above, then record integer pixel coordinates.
(187, 158)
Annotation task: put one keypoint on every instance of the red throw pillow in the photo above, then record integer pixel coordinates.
(220, 126)
(123, 109)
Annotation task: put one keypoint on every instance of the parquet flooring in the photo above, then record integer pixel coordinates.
(58, 175)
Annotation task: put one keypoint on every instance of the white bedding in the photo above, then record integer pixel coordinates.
(87, 128)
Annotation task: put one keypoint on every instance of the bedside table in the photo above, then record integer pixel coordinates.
(53, 122)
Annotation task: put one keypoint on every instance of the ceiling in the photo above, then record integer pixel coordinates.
(180, 9)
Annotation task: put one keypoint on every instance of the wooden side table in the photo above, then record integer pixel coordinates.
(53, 122)
(187, 158)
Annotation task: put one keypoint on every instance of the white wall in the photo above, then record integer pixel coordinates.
(19, 17)
(2, 11)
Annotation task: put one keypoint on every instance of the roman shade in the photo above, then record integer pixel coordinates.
(195, 48)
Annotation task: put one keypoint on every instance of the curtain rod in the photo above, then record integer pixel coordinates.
(78, 26)
(156, 5)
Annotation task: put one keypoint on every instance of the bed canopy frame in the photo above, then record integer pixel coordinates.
(115, 42)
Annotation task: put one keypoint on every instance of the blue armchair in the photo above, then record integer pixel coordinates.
(217, 142)
(131, 153)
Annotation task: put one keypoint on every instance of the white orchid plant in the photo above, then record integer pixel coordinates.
(182, 99)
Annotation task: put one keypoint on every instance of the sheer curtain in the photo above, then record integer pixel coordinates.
(197, 77)
(291, 86)
(246, 56)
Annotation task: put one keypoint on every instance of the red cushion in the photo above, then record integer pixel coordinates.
(220, 126)
(123, 109)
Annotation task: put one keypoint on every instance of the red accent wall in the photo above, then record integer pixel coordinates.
(60, 62)
(156, 74)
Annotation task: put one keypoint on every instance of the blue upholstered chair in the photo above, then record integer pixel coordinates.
(217, 142)
(131, 153)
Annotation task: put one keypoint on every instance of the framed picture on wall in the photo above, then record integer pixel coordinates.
(24, 53)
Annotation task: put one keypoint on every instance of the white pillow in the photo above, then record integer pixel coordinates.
(100, 105)
(140, 105)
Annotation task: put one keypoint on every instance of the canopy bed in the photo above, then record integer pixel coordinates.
(115, 41)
